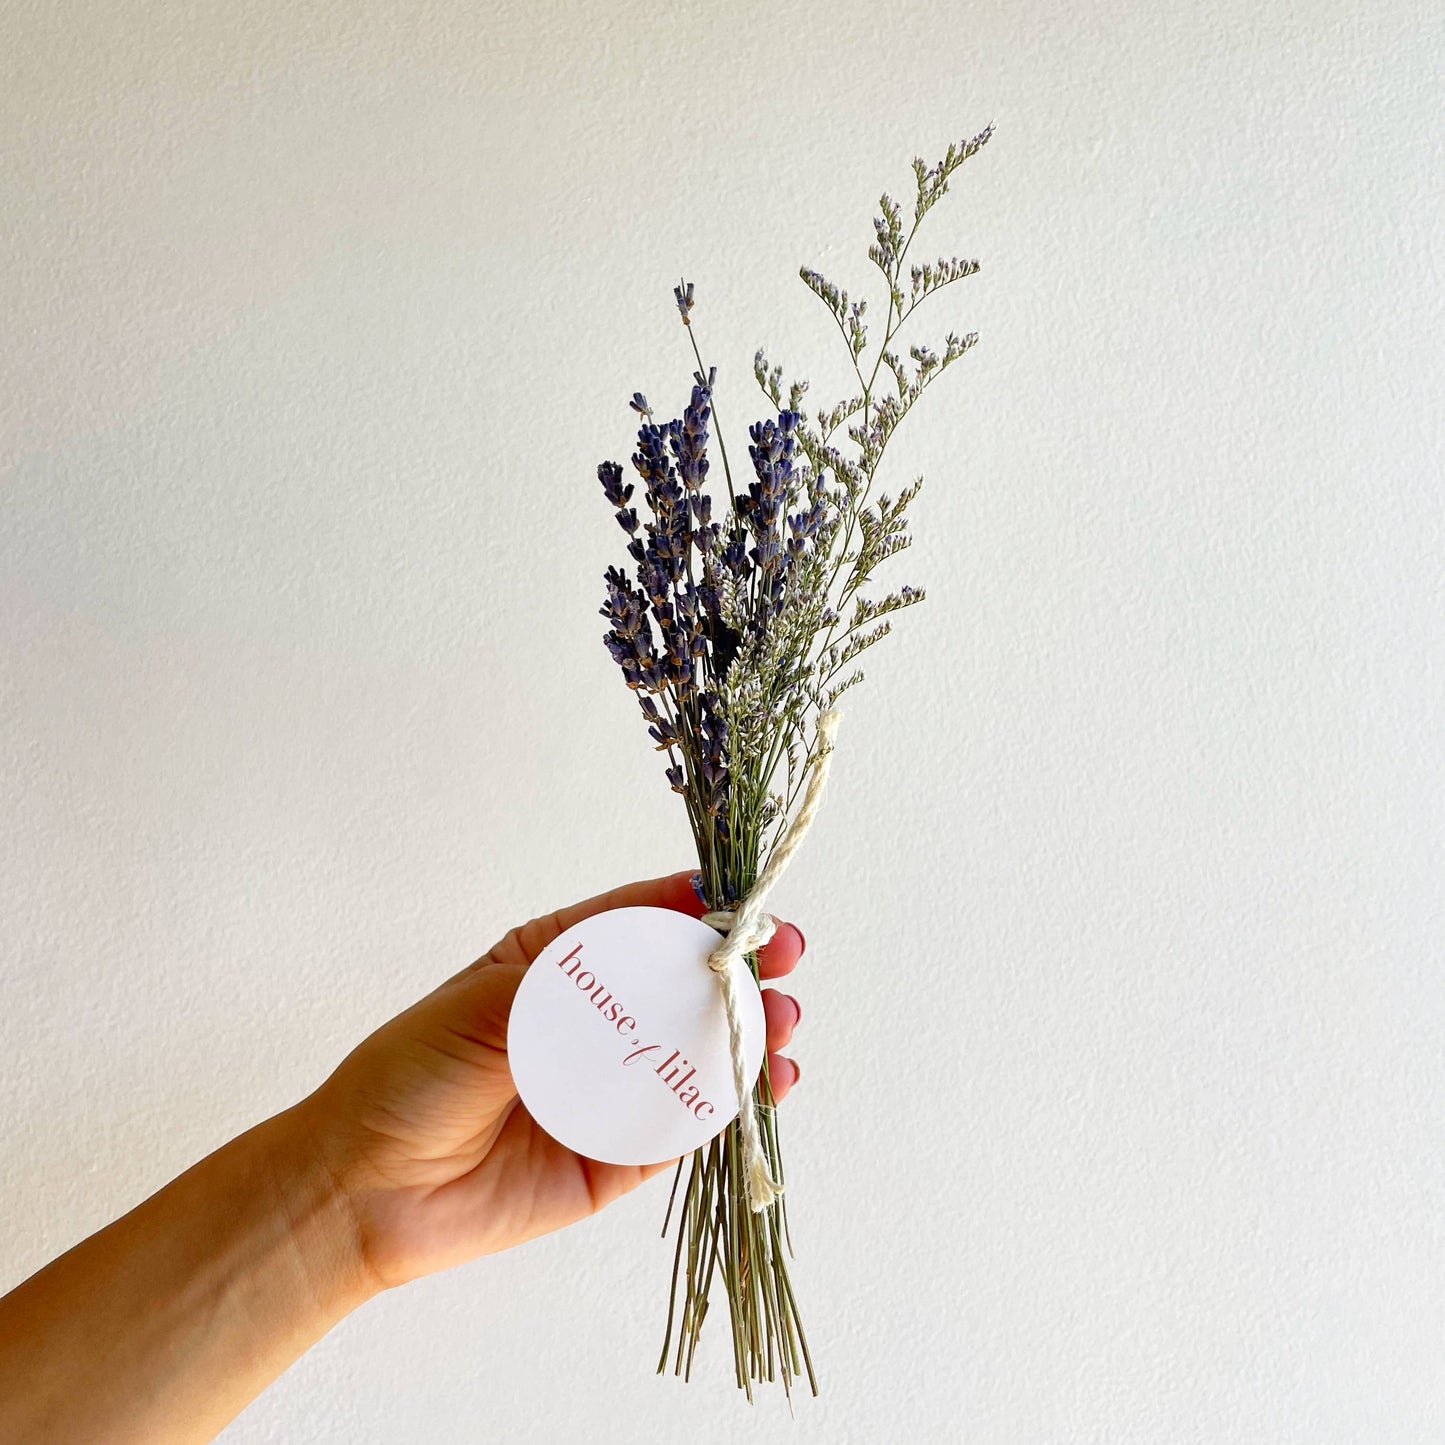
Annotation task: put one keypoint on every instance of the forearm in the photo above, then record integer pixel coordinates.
(164, 1325)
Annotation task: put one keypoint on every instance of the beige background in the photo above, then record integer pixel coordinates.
(1121, 1114)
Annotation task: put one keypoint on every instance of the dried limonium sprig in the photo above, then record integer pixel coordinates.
(737, 626)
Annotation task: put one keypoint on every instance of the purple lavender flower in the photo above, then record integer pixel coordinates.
(735, 554)
(805, 527)
(630, 641)
(762, 509)
(670, 532)
(772, 454)
(689, 441)
(713, 763)
(684, 301)
(610, 475)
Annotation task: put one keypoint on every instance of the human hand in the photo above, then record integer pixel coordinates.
(422, 1129)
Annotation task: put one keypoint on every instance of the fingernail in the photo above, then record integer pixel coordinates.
(802, 941)
(797, 1011)
(797, 1070)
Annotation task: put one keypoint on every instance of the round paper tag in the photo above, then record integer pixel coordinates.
(618, 1042)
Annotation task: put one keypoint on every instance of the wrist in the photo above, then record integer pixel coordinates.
(318, 1213)
(165, 1324)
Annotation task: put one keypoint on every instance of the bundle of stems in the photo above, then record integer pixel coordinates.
(737, 634)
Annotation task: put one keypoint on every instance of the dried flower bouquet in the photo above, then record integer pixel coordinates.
(737, 631)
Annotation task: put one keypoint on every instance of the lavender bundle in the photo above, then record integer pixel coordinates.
(738, 632)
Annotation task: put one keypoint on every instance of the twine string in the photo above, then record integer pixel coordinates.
(749, 927)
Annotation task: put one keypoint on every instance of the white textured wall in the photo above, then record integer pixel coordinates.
(1122, 1117)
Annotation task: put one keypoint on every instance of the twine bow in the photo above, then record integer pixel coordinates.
(748, 928)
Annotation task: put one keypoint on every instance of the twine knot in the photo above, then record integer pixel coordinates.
(747, 928)
(725, 920)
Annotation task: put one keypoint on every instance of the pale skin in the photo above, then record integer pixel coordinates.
(414, 1155)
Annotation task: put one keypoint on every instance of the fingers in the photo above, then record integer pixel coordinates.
(473, 1006)
(673, 890)
(783, 1073)
(780, 954)
(782, 1012)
